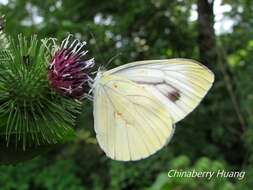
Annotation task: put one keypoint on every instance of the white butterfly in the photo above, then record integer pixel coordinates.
(136, 105)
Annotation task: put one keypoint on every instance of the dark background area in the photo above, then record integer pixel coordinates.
(217, 135)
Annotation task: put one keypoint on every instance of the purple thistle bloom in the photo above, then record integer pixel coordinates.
(68, 72)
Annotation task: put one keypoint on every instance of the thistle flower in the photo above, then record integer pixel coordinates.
(31, 113)
(68, 71)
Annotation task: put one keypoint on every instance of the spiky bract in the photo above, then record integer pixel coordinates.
(30, 112)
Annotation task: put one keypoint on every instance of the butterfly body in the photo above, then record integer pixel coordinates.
(136, 105)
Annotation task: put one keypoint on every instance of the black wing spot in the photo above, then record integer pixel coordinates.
(174, 95)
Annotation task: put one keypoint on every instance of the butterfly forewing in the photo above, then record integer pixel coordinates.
(179, 84)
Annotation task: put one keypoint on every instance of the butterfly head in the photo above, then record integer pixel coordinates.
(68, 71)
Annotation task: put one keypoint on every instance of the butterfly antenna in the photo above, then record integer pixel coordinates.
(96, 49)
(113, 58)
(102, 58)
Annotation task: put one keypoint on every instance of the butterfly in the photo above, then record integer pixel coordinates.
(137, 105)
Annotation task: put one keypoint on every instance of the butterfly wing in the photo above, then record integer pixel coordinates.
(130, 123)
(179, 84)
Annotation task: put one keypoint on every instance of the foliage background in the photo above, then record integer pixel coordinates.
(217, 135)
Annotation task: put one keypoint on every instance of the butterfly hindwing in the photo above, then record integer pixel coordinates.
(130, 123)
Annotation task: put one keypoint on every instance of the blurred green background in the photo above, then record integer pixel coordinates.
(217, 135)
